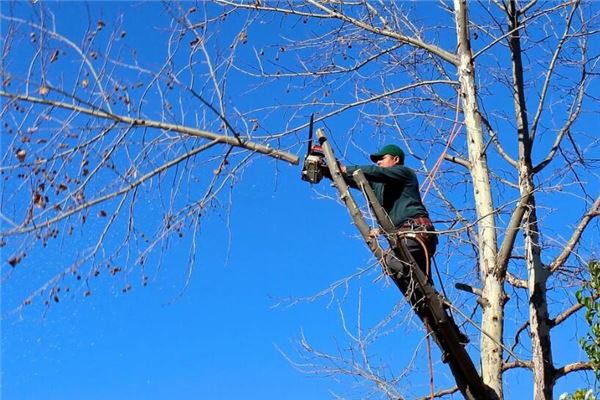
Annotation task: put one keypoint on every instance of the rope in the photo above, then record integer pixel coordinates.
(454, 133)
(404, 234)
(427, 263)
(509, 351)
(430, 364)
(437, 271)
(427, 274)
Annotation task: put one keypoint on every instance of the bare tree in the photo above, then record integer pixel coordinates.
(504, 93)
(91, 137)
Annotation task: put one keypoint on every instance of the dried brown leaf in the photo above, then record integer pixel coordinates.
(21, 154)
(54, 56)
(39, 200)
(13, 261)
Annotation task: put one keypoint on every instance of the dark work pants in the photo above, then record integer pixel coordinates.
(401, 272)
(401, 276)
(418, 254)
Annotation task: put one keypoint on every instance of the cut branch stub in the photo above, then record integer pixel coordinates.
(344, 191)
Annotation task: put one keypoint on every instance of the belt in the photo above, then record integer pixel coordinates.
(417, 221)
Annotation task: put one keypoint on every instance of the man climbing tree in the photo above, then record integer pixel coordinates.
(392, 191)
(397, 190)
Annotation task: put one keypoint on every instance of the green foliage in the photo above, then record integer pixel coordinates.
(589, 297)
(580, 394)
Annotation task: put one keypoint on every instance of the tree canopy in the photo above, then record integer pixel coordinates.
(122, 141)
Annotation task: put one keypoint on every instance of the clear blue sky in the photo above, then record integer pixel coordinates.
(222, 336)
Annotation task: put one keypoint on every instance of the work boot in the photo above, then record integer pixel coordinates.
(462, 338)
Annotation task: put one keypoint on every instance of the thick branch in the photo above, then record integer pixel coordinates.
(493, 290)
(458, 160)
(445, 55)
(515, 281)
(568, 312)
(230, 140)
(330, 13)
(574, 367)
(511, 231)
(517, 364)
(564, 255)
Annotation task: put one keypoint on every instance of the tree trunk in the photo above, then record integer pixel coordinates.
(492, 277)
(537, 274)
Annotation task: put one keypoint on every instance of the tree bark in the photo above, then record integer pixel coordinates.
(537, 274)
(346, 197)
(492, 276)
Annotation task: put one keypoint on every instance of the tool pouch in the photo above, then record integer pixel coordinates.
(421, 229)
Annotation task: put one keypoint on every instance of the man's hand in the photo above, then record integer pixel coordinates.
(342, 168)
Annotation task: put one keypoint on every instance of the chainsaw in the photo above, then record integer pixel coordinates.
(312, 169)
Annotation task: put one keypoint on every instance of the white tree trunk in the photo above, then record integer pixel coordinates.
(492, 277)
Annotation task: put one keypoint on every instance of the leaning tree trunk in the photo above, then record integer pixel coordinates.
(491, 275)
(426, 302)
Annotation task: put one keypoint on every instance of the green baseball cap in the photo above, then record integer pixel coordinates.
(390, 149)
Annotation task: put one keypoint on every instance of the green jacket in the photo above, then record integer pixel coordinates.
(396, 189)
